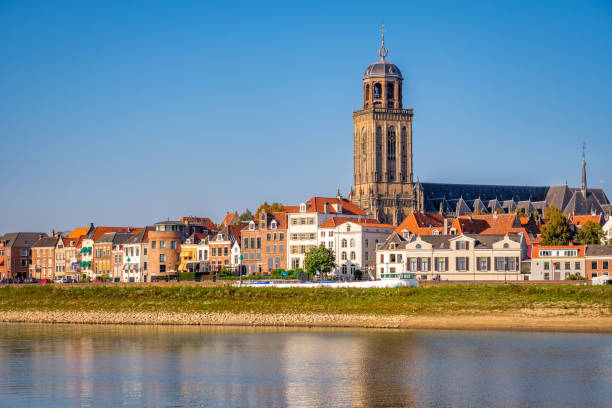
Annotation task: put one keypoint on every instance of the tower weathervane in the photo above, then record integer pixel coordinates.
(383, 51)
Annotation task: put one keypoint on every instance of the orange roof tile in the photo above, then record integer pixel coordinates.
(317, 204)
(228, 218)
(580, 220)
(78, 232)
(536, 253)
(368, 222)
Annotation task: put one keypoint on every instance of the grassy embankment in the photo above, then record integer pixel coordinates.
(425, 301)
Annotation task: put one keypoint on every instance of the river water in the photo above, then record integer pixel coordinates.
(109, 366)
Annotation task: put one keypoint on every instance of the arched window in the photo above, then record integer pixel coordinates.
(391, 153)
(377, 91)
(344, 243)
(367, 92)
(343, 257)
(352, 242)
(353, 256)
(390, 91)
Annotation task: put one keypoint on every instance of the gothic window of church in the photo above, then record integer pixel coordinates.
(377, 91)
(391, 153)
(390, 91)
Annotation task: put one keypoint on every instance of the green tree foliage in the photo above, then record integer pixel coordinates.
(521, 212)
(274, 207)
(591, 234)
(320, 259)
(556, 231)
(247, 215)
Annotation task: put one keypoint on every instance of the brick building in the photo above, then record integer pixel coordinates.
(43, 257)
(164, 251)
(16, 253)
(598, 260)
(264, 243)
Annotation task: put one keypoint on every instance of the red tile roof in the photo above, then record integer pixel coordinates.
(536, 250)
(317, 204)
(228, 218)
(204, 221)
(580, 220)
(368, 222)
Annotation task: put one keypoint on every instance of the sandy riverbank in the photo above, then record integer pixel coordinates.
(518, 321)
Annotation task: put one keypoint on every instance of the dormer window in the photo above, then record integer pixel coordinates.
(303, 207)
(436, 232)
(418, 246)
(251, 226)
(220, 237)
(392, 245)
(348, 227)
(506, 245)
(273, 224)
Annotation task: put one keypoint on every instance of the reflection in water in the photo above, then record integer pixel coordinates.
(70, 365)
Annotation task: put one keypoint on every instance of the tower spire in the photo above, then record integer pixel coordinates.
(383, 51)
(584, 179)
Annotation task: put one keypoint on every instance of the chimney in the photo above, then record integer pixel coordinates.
(445, 226)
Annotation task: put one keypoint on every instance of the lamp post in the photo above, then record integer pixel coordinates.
(240, 269)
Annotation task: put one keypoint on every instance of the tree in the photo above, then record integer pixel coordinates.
(247, 215)
(556, 231)
(520, 212)
(591, 234)
(274, 207)
(320, 259)
(476, 212)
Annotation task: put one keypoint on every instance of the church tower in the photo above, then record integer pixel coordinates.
(383, 179)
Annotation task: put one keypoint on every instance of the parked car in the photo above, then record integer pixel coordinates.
(58, 280)
(67, 279)
(30, 280)
(6, 281)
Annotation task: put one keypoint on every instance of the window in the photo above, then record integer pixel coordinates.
(330, 244)
(281, 236)
(246, 243)
(390, 90)
(577, 266)
(547, 276)
(225, 251)
(399, 258)
(311, 221)
(367, 243)
(511, 264)
(344, 243)
(24, 252)
(461, 245)
(557, 266)
(352, 243)
(567, 266)
(162, 268)
(172, 244)
(162, 244)
(330, 234)
(546, 266)
(413, 264)
(311, 235)
(418, 246)
(322, 234)
(392, 258)
(162, 257)
(343, 256)
(377, 91)
(144, 251)
(461, 263)
(500, 263)
(258, 242)
(367, 256)
(214, 251)
(483, 264)
(268, 236)
(545, 253)
(604, 265)
(594, 265)
(24, 262)
(506, 245)
(348, 227)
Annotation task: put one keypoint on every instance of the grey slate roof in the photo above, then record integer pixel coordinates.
(480, 206)
(382, 69)
(598, 250)
(138, 238)
(45, 242)
(21, 239)
(484, 192)
(115, 238)
(482, 240)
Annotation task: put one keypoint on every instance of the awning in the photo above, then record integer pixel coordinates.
(83, 250)
(1, 261)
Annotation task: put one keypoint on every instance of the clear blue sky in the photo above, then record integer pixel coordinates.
(126, 113)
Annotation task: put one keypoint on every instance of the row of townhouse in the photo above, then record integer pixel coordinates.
(561, 262)
(462, 257)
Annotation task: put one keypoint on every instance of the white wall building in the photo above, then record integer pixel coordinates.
(354, 243)
(303, 226)
(135, 258)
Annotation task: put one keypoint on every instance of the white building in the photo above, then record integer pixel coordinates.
(303, 226)
(354, 243)
(465, 257)
(135, 258)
